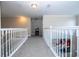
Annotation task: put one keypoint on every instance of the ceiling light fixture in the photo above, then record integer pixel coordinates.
(34, 6)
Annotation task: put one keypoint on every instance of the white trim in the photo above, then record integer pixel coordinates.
(18, 47)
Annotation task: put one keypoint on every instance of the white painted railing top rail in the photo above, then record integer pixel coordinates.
(11, 39)
(63, 41)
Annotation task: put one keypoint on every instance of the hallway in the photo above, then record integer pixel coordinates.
(34, 47)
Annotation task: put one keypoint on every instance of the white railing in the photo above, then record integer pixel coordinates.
(11, 39)
(63, 41)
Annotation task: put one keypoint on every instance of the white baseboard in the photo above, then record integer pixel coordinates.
(18, 47)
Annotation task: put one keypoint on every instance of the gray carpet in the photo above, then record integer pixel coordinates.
(34, 47)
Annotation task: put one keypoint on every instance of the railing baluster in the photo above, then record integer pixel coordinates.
(58, 44)
(65, 42)
(11, 41)
(62, 42)
(57, 41)
(2, 44)
(77, 42)
(1, 52)
(6, 41)
(71, 43)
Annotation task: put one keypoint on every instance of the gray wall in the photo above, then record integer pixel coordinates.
(58, 20)
(36, 22)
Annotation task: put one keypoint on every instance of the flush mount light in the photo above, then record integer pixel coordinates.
(34, 6)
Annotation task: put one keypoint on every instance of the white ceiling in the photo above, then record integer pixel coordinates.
(23, 8)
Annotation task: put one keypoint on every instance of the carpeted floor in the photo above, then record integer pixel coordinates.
(34, 47)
